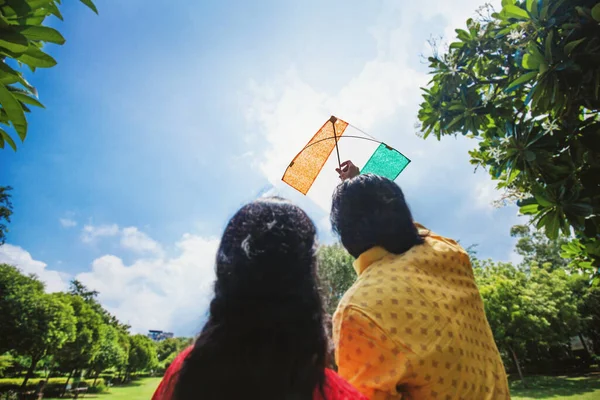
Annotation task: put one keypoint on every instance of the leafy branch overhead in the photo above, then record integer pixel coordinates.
(22, 38)
(525, 82)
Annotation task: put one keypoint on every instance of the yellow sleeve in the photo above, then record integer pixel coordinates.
(368, 358)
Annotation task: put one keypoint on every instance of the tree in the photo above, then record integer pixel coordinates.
(525, 82)
(536, 248)
(77, 288)
(336, 274)
(33, 323)
(529, 313)
(6, 211)
(171, 346)
(142, 354)
(22, 37)
(110, 352)
(81, 352)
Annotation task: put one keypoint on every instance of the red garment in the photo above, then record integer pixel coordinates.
(335, 388)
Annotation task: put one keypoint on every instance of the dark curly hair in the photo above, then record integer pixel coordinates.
(370, 210)
(265, 336)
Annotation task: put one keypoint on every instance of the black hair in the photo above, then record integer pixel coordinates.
(265, 336)
(370, 210)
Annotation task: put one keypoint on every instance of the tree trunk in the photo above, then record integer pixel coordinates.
(585, 347)
(96, 378)
(516, 360)
(29, 374)
(66, 384)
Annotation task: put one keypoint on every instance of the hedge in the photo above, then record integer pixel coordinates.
(53, 388)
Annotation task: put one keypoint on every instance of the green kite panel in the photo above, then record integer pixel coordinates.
(386, 162)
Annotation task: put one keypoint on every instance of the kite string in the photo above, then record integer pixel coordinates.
(363, 132)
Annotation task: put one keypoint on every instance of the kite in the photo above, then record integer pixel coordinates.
(308, 163)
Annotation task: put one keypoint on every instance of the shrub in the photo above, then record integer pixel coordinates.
(99, 388)
(53, 388)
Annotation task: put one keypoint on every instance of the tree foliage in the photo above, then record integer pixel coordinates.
(142, 353)
(23, 34)
(531, 314)
(80, 352)
(336, 274)
(33, 323)
(525, 81)
(170, 347)
(66, 332)
(536, 248)
(6, 211)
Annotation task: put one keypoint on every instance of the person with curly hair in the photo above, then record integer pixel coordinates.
(265, 337)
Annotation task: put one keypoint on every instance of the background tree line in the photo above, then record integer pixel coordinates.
(535, 308)
(69, 335)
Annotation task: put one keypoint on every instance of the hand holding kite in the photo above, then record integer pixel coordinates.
(347, 170)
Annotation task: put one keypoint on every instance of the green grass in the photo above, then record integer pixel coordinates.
(539, 387)
(557, 388)
(139, 389)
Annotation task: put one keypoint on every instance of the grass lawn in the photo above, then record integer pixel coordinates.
(539, 387)
(141, 389)
(557, 388)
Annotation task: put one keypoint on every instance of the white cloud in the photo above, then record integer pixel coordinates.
(485, 193)
(91, 232)
(68, 223)
(157, 293)
(14, 255)
(139, 242)
(382, 98)
(131, 238)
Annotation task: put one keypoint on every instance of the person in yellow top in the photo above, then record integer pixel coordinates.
(413, 324)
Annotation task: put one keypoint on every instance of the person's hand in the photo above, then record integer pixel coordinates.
(347, 170)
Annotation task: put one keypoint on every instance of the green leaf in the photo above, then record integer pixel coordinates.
(6, 138)
(513, 11)
(532, 7)
(552, 225)
(35, 58)
(530, 62)
(596, 12)
(454, 121)
(542, 198)
(22, 97)
(42, 33)
(548, 46)
(529, 155)
(13, 41)
(529, 209)
(521, 80)
(569, 47)
(580, 209)
(90, 5)
(7, 74)
(14, 111)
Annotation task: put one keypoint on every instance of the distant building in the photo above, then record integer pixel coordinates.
(158, 336)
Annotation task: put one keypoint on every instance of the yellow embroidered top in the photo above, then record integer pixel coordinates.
(413, 326)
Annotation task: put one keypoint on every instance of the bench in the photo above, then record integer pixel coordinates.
(78, 391)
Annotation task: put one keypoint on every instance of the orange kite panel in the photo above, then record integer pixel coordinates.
(305, 167)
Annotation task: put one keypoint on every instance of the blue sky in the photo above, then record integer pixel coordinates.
(161, 120)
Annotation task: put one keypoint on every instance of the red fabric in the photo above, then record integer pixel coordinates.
(335, 388)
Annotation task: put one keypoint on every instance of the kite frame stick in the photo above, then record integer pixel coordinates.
(333, 120)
